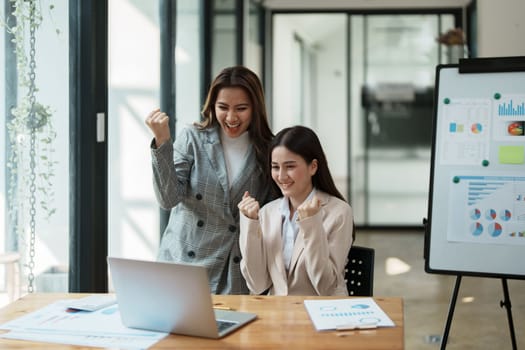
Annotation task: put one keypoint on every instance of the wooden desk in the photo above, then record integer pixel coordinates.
(282, 323)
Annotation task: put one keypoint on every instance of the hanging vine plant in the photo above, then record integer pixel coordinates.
(31, 135)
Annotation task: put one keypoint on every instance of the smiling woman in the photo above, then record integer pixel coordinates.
(297, 244)
(202, 176)
(233, 109)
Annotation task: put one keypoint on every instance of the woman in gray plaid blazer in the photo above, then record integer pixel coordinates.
(202, 176)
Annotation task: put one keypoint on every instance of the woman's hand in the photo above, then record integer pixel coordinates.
(309, 208)
(158, 122)
(249, 207)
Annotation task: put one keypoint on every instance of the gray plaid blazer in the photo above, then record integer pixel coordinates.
(190, 179)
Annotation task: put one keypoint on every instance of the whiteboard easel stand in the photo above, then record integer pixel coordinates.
(475, 66)
(504, 303)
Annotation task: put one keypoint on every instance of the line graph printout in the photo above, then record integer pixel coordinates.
(487, 209)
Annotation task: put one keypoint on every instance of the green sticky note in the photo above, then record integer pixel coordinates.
(511, 154)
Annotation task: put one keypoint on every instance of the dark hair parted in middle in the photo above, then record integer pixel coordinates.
(259, 129)
(304, 142)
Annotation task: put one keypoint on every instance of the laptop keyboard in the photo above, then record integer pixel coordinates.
(222, 325)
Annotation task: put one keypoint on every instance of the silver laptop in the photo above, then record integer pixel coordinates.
(169, 297)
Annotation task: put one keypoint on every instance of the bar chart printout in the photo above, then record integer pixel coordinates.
(511, 108)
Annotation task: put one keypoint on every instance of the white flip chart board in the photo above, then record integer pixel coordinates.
(476, 214)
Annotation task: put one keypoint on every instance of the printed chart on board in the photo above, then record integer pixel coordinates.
(485, 206)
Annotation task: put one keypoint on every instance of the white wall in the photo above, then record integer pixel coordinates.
(283, 112)
(501, 28)
(325, 108)
(330, 116)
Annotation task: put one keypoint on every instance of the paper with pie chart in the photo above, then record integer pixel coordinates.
(330, 314)
(466, 130)
(487, 209)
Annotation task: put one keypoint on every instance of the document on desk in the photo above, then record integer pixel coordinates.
(57, 323)
(343, 314)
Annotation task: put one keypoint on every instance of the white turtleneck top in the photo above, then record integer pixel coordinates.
(235, 151)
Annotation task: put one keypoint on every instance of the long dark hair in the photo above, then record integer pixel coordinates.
(259, 129)
(304, 142)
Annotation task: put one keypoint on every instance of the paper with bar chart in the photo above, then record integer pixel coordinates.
(509, 118)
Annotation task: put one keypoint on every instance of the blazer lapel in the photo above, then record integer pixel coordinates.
(298, 248)
(299, 241)
(213, 148)
(239, 183)
(279, 276)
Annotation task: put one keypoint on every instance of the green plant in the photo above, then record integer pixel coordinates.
(31, 133)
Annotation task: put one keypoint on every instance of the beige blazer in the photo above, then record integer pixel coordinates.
(319, 254)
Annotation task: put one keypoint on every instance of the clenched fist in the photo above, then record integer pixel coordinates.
(158, 122)
(309, 208)
(249, 206)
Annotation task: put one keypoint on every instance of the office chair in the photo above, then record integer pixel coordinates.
(359, 271)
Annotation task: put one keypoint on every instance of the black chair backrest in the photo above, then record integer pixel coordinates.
(359, 271)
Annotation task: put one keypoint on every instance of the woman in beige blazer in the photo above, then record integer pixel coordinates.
(297, 244)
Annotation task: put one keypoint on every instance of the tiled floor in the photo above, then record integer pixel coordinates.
(479, 324)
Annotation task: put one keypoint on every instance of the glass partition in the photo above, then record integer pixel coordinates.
(364, 82)
(397, 100)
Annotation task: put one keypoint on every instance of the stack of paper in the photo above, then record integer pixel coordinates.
(330, 314)
(57, 323)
